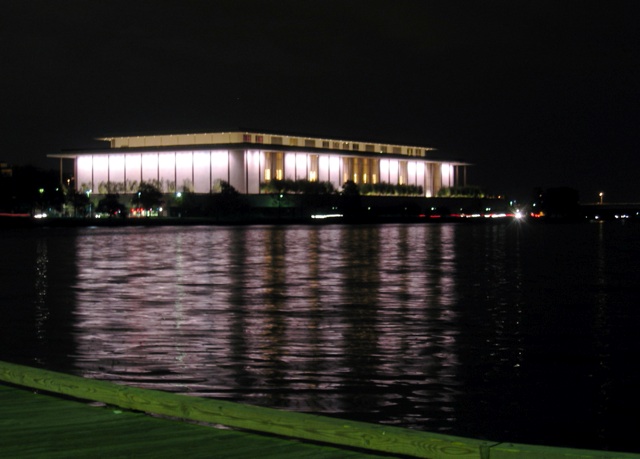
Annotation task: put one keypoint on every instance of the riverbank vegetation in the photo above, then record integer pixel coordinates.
(34, 193)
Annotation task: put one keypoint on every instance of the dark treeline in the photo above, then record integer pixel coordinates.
(28, 189)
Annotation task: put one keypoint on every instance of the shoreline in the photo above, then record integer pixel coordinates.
(70, 222)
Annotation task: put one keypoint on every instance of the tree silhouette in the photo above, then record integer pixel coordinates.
(111, 205)
(148, 196)
(227, 202)
(78, 200)
(350, 199)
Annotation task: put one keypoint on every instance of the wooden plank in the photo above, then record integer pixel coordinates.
(360, 435)
(521, 451)
(89, 431)
(373, 437)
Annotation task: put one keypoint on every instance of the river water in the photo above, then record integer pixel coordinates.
(508, 332)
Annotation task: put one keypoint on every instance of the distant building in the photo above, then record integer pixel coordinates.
(5, 170)
(246, 160)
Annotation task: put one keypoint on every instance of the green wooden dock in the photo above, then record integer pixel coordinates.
(41, 426)
(44, 414)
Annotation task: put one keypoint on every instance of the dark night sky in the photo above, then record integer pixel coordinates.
(536, 93)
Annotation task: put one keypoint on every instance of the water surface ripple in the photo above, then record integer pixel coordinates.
(522, 333)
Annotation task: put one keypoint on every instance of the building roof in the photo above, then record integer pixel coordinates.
(263, 138)
(255, 139)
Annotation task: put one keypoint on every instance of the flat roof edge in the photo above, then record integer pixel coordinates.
(250, 146)
(266, 133)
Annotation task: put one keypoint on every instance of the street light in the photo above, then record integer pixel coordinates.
(601, 194)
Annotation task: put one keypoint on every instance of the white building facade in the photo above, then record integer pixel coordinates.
(247, 160)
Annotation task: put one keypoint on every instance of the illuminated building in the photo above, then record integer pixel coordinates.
(199, 162)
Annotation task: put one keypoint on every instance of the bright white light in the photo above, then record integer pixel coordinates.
(323, 216)
(201, 171)
(100, 169)
(133, 164)
(301, 166)
(84, 165)
(184, 171)
(289, 164)
(446, 174)
(411, 169)
(43, 215)
(518, 214)
(116, 168)
(150, 166)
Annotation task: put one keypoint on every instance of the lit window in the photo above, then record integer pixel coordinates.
(313, 168)
(403, 173)
(370, 168)
(259, 139)
(246, 137)
(274, 165)
(347, 169)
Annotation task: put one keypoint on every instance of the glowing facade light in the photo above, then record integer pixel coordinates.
(197, 161)
(323, 216)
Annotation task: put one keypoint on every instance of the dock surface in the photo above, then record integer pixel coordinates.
(54, 415)
(34, 425)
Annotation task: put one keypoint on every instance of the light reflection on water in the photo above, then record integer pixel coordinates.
(312, 319)
(491, 331)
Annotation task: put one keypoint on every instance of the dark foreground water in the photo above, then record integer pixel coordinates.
(514, 332)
